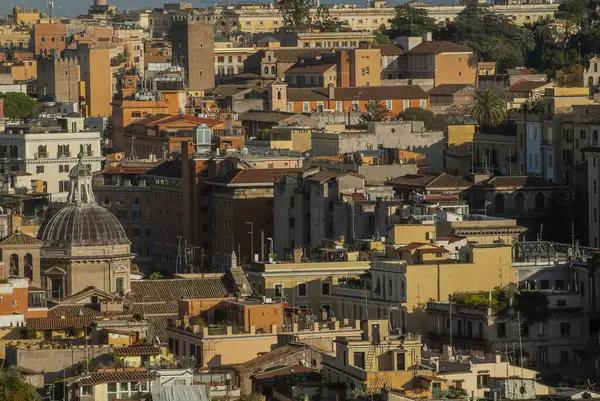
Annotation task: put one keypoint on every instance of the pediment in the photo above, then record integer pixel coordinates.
(55, 271)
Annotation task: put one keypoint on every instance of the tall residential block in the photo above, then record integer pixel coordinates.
(48, 38)
(58, 79)
(193, 49)
(94, 64)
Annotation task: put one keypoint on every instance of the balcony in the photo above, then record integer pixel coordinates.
(63, 154)
(40, 155)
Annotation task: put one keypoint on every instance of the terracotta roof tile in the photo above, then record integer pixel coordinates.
(277, 354)
(431, 181)
(314, 69)
(527, 86)
(389, 49)
(172, 290)
(516, 182)
(326, 175)
(362, 93)
(57, 323)
(19, 238)
(449, 89)
(115, 376)
(439, 46)
(253, 176)
(137, 350)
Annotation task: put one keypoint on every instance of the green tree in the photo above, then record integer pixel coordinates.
(525, 40)
(294, 12)
(576, 11)
(570, 77)
(14, 388)
(489, 108)
(155, 276)
(18, 106)
(375, 111)
(380, 35)
(411, 21)
(565, 28)
(325, 20)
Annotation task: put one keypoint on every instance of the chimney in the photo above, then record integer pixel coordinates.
(62, 315)
(331, 91)
(298, 255)
(427, 37)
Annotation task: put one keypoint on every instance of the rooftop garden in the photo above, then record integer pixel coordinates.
(532, 305)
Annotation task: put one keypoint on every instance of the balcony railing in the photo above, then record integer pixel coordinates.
(63, 154)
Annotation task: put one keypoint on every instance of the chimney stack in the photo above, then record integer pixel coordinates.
(331, 91)
(298, 255)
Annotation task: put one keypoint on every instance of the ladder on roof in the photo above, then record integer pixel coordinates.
(370, 358)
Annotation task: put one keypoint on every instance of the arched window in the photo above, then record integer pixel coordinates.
(273, 70)
(595, 67)
(28, 266)
(266, 69)
(499, 203)
(269, 59)
(14, 265)
(378, 286)
(390, 287)
(278, 94)
(540, 202)
(402, 288)
(520, 202)
(591, 81)
(83, 193)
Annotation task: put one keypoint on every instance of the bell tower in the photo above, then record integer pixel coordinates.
(278, 95)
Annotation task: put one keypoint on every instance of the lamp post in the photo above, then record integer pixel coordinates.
(251, 232)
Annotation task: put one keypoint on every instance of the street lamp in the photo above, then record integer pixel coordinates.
(251, 232)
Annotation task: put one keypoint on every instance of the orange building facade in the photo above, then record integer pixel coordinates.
(48, 38)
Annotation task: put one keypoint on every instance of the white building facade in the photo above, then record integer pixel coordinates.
(41, 157)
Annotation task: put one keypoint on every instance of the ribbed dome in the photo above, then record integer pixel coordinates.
(82, 224)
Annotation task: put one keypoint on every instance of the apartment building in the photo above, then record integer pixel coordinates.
(95, 72)
(48, 38)
(397, 290)
(231, 61)
(392, 61)
(444, 62)
(311, 76)
(376, 360)
(258, 18)
(549, 337)
(312, 288)
(124, 189)
(167, 218)
(342, 99)
(43, 156)
(234, 192)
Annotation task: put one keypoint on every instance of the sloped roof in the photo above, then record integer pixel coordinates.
(19, 238)
(168, 168)
(115, 376)
(449, 89)
(516, 182)
(292, 55)
(361, 93)
(252, 176)
(137, 350)
(439, 46)
(326, 175)
(389, 49)
(310, 69)
(172, 290)
(265, 116)
(431, 181)
(57, 323)
(260, 362)
(527, 86)
(232, 90)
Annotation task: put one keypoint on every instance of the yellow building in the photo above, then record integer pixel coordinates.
(224, 345)
(26, 16)
(24, 71)
(137, 356)
(402, 234)
(255, 18)
(12, 37)
(376, 360)
(482, 229)
(290, 138)
(399, 290)
(457, 154)
(306, 285)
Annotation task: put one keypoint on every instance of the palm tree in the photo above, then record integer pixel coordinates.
(497, 49)
(489, 109)
(525, 40)
(564, 29)
(546, 29)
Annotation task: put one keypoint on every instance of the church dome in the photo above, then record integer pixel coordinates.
(82, 222)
